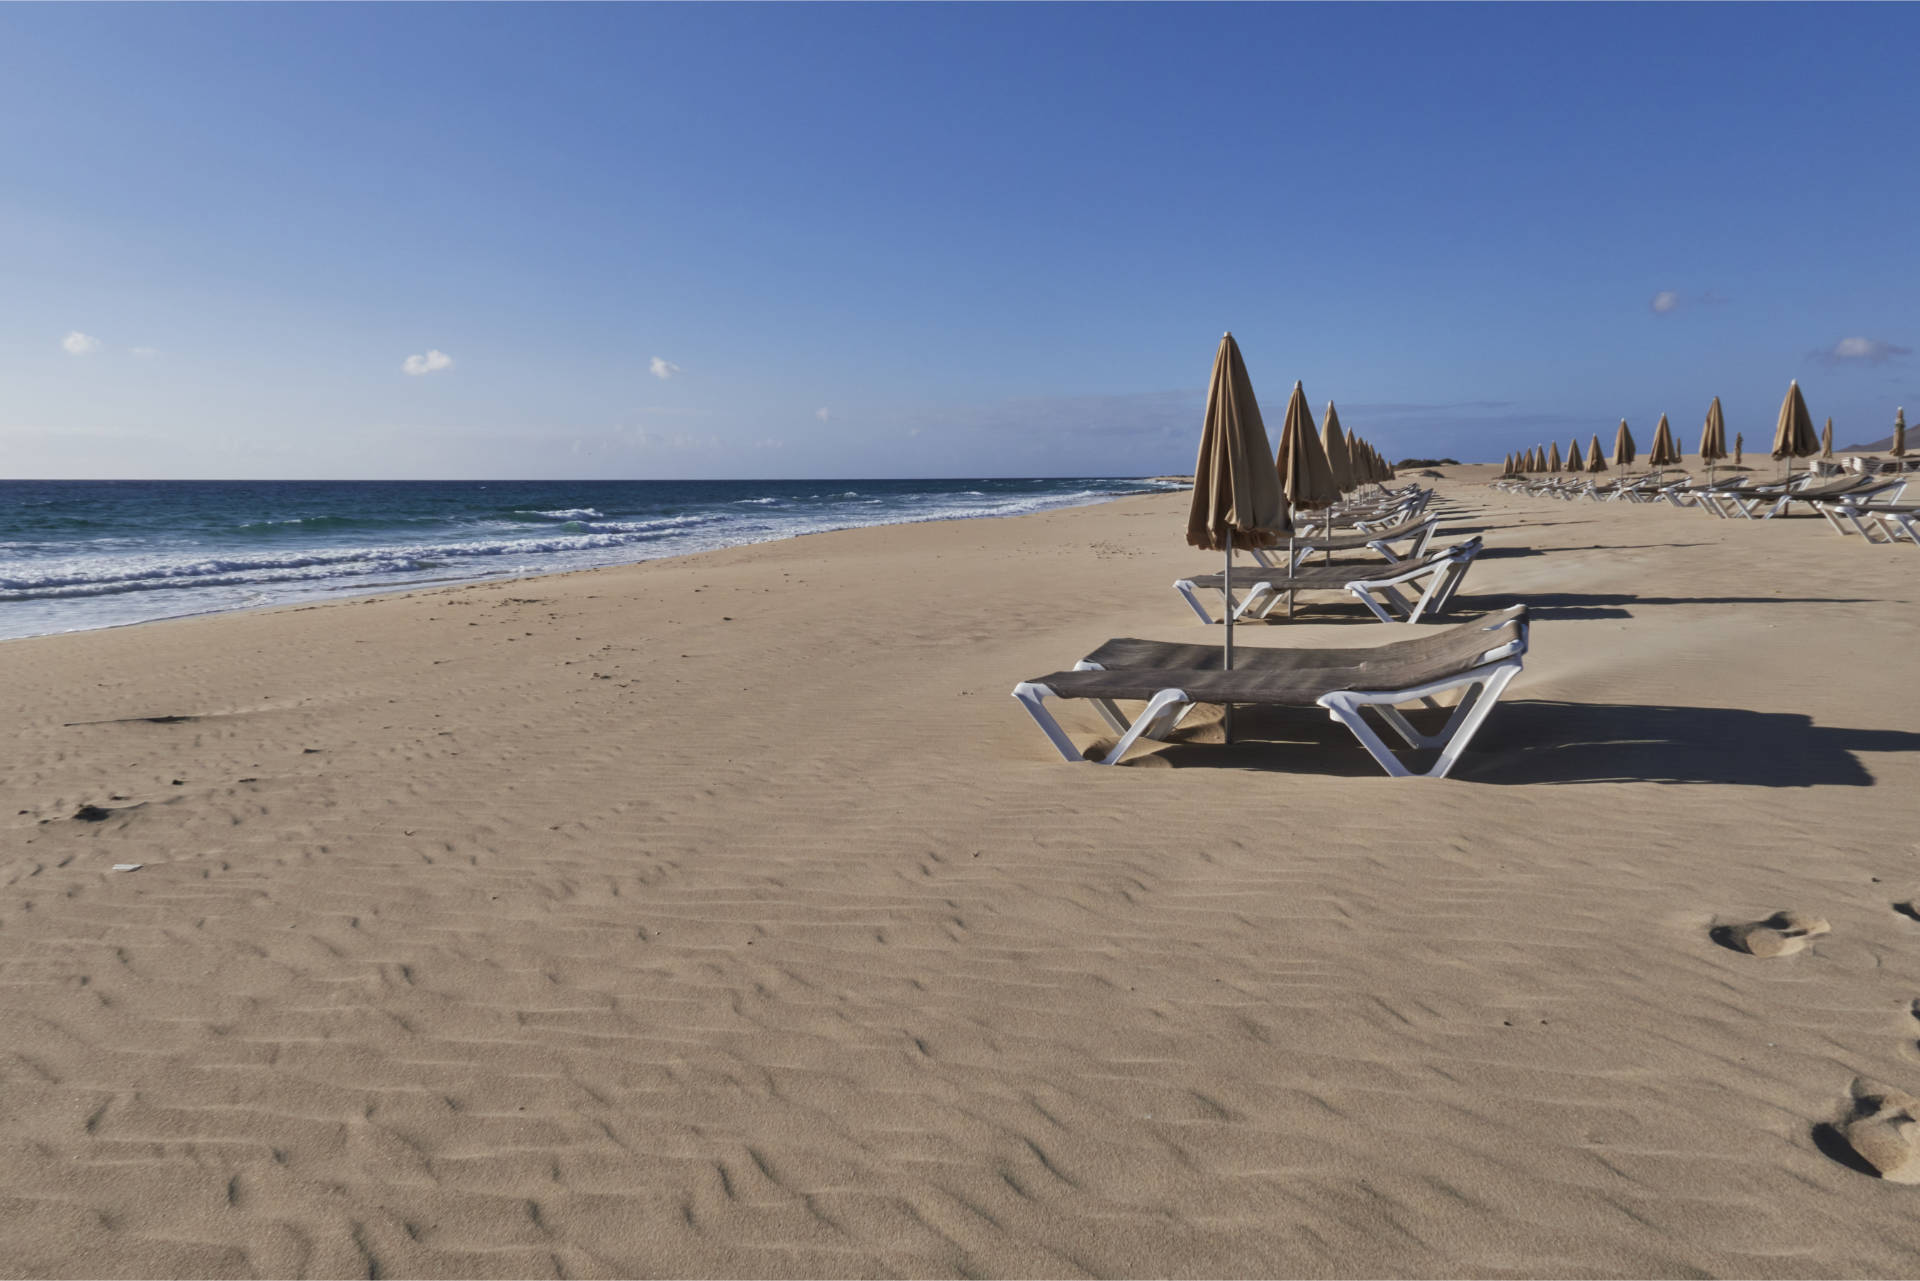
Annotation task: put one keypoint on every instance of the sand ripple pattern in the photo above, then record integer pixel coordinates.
(680, 919)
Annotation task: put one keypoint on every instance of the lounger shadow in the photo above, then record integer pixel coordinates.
(1544, 741)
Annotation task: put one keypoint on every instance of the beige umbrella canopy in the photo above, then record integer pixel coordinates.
(1713, 436)
(1596, 461)
(1333, 443)
(1576, 457)
(1663, 452)
(1623, 451)
(1826, 440)
(1793, 435)
(1306, 478)
(1508, 470)
(1553, 456)
(1899, 448)
(1739, 441)
(1236, 492)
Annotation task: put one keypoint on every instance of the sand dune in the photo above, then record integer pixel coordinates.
(724, 916)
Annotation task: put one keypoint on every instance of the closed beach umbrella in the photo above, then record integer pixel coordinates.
(1826, 440)
(1713, 437)
(1333, 443)
(1663, 452)
(1236, 491)
(1899, 448)
(1596, 461)
(1576, 457)
(1306, 473)
(1793, 435)
(1553, 456)
(1739, 444)
(1509, 466)
(1623, 451)
(1306, 477)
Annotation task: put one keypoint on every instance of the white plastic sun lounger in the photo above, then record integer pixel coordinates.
(1478, 659)
(1430, 586)
(1767, 504)
(1416, 533)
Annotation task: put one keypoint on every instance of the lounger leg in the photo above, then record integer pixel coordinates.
(1262, 594)
(1185, 587)
(1349, 715)
(1468, 718)
(1033, 697)
(1452, 740)
(1365, 597)
(1161, 714)
(1156, 720)
(1434, 597)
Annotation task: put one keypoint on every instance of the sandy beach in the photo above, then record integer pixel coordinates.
(723, 915)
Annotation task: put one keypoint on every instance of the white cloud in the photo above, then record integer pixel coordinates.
(822, 413)
(432, 363)
(146, 353)
(662, 369)
(1860, 351)
(1665, 301)
(79, 344)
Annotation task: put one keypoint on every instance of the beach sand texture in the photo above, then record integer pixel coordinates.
(724, 915)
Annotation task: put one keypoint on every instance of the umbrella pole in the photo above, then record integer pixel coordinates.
(1226, 582)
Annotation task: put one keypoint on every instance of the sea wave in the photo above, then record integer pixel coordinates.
(98, 578)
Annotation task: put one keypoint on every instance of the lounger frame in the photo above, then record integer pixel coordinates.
(1479, 688)
(1381, 595)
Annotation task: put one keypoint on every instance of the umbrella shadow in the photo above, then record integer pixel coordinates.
(1545, 741)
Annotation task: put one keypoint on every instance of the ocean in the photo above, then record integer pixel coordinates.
(82, 554)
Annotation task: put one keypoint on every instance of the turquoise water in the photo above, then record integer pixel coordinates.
(83, 554)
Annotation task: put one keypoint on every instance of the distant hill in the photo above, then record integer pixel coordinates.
(1880, 446)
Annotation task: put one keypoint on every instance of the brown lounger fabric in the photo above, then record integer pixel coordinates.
(1348, 542)
(1464, 640)
(1318, 578)
(1293, 687)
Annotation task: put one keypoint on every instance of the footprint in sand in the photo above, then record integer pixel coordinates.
(1781, 934)
(1882, 1127)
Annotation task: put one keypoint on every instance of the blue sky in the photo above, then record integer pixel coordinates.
(933, 240)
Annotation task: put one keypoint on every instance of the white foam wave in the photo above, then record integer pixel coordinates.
(567, 513)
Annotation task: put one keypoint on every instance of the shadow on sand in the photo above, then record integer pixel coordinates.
(1615, 604)
(1541, 741)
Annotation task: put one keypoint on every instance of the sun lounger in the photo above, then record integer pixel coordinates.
(1689, 494)
(1478, 659)
(1894, 521)
(1433, 580)
(1765, 504)
(1416, 533)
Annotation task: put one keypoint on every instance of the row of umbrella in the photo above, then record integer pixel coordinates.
(1792, 438)
(1244, 493)
(1239, 495)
